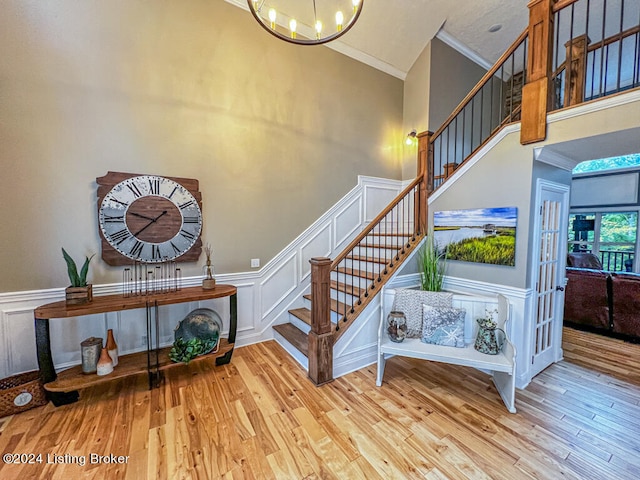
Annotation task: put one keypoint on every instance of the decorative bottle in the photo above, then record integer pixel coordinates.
(396, 326)
(105, 365)
(208, 274)
(112, 347)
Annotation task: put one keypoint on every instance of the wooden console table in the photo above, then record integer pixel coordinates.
(63, 388)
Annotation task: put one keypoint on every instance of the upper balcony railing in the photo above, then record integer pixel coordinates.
(495, 101)
(600, 40)
(573, 51)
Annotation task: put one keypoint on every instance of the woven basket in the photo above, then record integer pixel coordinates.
(21, 392)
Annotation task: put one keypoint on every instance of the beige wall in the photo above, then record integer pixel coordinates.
(452, 77)
(436, 83)
(502, 178)
(506, 176)
(416, 107)
(275, 133)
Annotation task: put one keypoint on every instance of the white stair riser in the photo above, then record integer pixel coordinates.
(293, 351)
(299, 323)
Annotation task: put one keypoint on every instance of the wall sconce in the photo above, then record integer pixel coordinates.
(411, 137)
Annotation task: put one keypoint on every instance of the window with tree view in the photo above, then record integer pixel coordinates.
(612, 236)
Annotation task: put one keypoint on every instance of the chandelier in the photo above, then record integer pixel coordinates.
(306, 22)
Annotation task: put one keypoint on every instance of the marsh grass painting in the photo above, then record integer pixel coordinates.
(484, 235)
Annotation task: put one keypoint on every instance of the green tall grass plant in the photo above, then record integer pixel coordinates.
(431, 264)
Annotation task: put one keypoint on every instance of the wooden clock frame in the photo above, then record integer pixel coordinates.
(113, 257)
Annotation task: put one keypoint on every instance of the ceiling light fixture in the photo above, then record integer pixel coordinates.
(306, 22)
(411, 137)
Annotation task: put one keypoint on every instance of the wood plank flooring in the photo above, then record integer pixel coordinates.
(259, 417)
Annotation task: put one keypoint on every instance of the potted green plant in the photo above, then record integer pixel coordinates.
(79, 291)
(431, 264)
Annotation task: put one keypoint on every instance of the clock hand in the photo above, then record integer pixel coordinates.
(153, 220)
(141, 216)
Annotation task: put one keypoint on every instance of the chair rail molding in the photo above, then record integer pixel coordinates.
(264, 296)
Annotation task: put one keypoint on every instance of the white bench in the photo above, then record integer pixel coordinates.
(501, 367)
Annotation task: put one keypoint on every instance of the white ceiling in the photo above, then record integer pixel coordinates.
(391, 34)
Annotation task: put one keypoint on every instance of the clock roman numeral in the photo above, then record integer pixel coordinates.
(191, 220)
(186, 204)
(134, 189)
(124, 204)
(187, 235)
(155, 252)
(110, 219)
(154, 186)
(173, 191)
(136, 249)
(120, 236)
(175, 249)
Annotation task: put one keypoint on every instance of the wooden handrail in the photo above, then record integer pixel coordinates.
(375, 221)
(490, 73)
(618, 37)
(561, 4)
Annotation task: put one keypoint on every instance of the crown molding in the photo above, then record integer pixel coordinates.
(463, 49)
(544, 154)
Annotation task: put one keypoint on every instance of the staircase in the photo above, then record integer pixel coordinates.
(537, 74)
(359, 272)
(352, 286)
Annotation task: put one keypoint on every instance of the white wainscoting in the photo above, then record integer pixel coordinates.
(521, 328)
(264, 296)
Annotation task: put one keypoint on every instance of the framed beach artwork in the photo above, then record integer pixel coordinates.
(483, 235)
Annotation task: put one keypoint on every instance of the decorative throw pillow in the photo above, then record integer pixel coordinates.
(410, 302)
(443, 326)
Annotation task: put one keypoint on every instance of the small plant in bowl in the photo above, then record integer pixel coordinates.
(79, 292)
(186, 350)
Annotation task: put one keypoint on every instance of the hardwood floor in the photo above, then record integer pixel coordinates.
(260, 417)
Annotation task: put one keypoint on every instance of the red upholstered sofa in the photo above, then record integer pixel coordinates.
(599, 300)
(625, 305)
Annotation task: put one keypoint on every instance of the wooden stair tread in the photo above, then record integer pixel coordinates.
(390, 234)
(361, 258)
(379, 245)
(303, 314)
(357, 273)
(349, 289)
(294, 336)
(336, 306)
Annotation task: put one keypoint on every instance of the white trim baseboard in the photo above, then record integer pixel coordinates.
(264, 296)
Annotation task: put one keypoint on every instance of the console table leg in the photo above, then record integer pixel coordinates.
(233, 327)
(45, 364)
(233, 323)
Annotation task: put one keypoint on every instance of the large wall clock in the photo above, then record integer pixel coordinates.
(149, 218)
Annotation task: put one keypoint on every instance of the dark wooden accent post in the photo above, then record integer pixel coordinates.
(576, 65)
(320, 337)
(535, 93)
(425, 170)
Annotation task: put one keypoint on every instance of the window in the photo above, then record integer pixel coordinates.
(612, 236)
(625, 161)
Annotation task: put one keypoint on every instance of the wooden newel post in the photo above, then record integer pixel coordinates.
(425, 170)
(575, 70)
(320, 337)
(535, 93)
